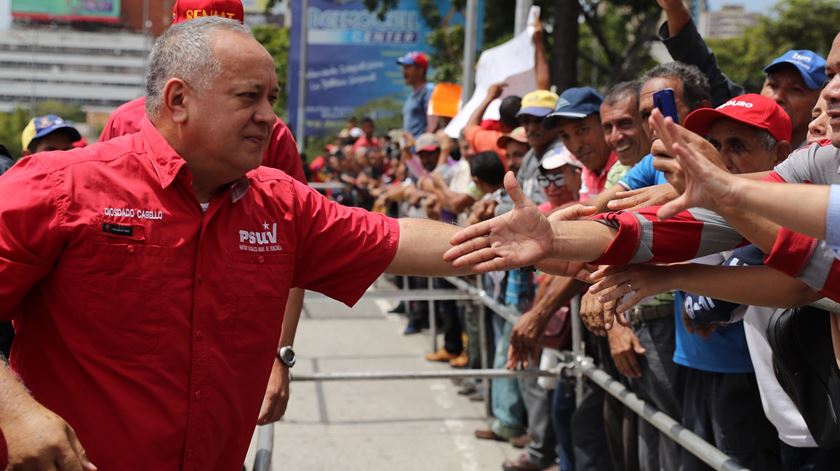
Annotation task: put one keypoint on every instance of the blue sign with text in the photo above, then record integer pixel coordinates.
(351, 59)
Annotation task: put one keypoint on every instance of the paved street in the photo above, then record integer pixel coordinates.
(375, 425)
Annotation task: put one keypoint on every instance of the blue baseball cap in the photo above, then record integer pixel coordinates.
(41, 126)
(414, 58)
(574, 103)
(809, 64)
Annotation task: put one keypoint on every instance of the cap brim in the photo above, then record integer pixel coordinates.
(505, 140)
(428, 149)
(537, 111)
(552, 119)
(806, 77)
(67, 129)
(699, 121)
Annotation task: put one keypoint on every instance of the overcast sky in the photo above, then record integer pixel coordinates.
(762, 6)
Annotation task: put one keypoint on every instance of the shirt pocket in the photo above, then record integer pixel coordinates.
(127, 299)
(260, 284)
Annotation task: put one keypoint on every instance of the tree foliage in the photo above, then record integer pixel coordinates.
(793, 24)
(276, 40)
(12, 123)
(11, 126)
(611, 43)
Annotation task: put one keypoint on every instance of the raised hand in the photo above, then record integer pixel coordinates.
(643, 197)
(518, 238)
(628, 285)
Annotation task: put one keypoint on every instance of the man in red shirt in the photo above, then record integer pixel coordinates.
(147, 275)
(281, 153)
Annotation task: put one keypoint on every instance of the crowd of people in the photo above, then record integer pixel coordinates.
(576, 193)
(700, 341)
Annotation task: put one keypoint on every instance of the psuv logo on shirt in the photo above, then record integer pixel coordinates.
(260, 241)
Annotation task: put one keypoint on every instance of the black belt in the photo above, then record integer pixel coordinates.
(640, 314)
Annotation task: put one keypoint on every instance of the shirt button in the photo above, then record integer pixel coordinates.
(129, 248)
(189, 453)
(198, 395)
(199, 279)
(261, 259)
(199, 335)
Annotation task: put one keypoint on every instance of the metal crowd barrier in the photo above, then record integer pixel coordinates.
(575, 362)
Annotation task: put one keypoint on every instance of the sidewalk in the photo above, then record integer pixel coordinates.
(375, 425)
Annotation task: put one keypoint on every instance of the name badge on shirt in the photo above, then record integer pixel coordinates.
(118, 229)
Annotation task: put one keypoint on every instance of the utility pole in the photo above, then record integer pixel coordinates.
(470, 39)
(301, 111)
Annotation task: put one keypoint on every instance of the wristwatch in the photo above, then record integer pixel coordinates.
(287, 356)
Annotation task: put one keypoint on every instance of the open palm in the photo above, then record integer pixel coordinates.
(518, 238)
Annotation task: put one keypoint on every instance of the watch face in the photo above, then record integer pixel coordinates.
(287, 355)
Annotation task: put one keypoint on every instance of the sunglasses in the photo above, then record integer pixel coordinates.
(557, 178)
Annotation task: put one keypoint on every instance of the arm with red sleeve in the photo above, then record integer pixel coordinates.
(31, 240)
(342, 250)
(642, 237)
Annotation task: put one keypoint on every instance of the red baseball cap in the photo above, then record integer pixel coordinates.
(751, 109)
(414, 58)
(184, 10)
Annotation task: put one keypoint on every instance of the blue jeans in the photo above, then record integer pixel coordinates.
(505, 397)
(562, 406)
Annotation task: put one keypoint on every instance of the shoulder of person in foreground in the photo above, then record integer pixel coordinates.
(124, 120)
(282, 152)
(818, 163)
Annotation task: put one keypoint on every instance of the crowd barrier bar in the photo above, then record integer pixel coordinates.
(328, 185)
(574, 362)
(442, 374)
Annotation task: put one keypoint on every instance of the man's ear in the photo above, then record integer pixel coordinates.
(781, 151)
(176, 94)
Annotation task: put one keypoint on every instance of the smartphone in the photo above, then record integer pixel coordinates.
(667, 104)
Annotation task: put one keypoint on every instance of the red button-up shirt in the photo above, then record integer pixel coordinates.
(148, 324)
(281, 152)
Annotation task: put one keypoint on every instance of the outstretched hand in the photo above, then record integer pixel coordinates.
(628, 285)
(642, 197)
(704, 184)
(518, 238)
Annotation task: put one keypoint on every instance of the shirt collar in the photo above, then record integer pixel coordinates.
(613, 158)
(166, 162)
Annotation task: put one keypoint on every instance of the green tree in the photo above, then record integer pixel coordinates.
(11, 126)
(597, 42)
(276, 40)
(793, 24)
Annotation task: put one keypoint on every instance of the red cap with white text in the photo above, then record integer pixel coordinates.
(184, 10)
(751, 109)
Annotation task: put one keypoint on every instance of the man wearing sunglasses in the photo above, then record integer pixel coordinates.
(560, 179)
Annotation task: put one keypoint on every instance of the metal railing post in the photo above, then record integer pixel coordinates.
(482, 341)
(265, 447)
(432, 318)
(577, 346)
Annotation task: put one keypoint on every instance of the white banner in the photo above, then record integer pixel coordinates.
(5, 15)
(512, 63)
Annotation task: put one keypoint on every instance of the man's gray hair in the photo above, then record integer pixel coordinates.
(766, 139)
(185, 51)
